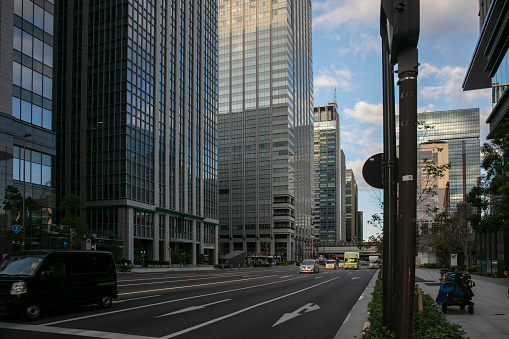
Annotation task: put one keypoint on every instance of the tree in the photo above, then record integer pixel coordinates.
(13, 203)
(455, 233)
(491, 194)
(71, 226)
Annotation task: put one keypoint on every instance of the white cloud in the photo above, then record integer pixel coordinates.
(370, 113)
(333, 13)
(449, 18)
(328, 79)
(446, 86)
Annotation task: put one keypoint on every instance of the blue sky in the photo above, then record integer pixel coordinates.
(347, 56)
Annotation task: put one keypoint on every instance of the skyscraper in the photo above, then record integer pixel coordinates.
(460, 130)
(27, 140)
(330, 212)
(351, 206)
(136, 119)
(265, 126)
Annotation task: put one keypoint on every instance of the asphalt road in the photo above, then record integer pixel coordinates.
(247, 303)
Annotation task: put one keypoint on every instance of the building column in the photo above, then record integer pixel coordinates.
(202, 238)
(167, 251)
(216, 245)
(125, 217)
(193, 237)
(155, 242)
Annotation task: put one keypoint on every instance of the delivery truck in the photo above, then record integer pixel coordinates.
(374, 261)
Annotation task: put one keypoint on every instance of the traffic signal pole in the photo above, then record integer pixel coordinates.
(390, 185)
(406, 242)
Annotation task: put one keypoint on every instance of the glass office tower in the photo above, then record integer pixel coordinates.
(265, 127)
(460, 130)
(330, 208)
(136, 122)
(27, 140)
(351, 206)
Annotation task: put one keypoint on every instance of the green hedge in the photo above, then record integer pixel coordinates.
(430, 323)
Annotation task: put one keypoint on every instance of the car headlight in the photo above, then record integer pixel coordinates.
(19, 288)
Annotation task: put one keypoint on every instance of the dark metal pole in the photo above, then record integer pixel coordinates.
(407, 73)
(390, 181)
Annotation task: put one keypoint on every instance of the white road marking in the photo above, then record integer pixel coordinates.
(176, 334)
(167, 302)
(71, 331)
(193, 308)
(356, 278)
(124, 300)
(287, 316)
(320, 277)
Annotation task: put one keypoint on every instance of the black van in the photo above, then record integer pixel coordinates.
(32, 281)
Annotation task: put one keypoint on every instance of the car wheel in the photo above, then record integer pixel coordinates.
(105, 301)
(32, 310)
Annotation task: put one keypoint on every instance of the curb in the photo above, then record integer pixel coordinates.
(355, 321)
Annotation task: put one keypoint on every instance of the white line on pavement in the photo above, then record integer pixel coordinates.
(168, 302)
(176, 334)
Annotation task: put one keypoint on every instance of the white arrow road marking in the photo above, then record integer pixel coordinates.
(287, 316)
(193, 308)
(356, 278)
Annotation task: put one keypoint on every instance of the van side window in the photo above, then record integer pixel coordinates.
(55, 265)
(83, 265)
(103, 263)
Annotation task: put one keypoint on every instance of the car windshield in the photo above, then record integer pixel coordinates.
(308, 262)
(19, 265)
(330, 261)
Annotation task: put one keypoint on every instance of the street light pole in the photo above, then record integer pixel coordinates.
(26, 135)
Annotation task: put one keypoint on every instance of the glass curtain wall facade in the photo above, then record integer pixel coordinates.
(460, 130)
(27, 140)
(265, 127)
(136, 121)
(329, 212)
(351, 206)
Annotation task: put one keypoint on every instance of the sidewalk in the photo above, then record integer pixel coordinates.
(491, 305)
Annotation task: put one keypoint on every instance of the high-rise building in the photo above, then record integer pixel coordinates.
(460, 130)
(27, 140)
(359, 221)
(489, 68)
(329, 212)
(266, 127)
(351, 206)
(136, 123)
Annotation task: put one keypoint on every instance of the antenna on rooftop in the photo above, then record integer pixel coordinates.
(334, 95)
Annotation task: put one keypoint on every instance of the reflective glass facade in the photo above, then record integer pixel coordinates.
(27, 142)
(460, 130)
(137, 125)
(265, 126)
(330, 209)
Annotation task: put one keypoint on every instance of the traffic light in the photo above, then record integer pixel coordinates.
(401, 22)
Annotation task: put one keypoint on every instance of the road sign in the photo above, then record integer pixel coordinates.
(16, 228)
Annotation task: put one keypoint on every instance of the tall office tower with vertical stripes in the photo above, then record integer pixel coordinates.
(330, 192)
(136, 122)
(265, 127)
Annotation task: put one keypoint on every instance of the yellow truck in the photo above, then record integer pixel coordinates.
(351, 260)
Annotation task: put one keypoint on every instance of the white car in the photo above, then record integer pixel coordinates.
(309, 266)
(330, 264)
(341, 263)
